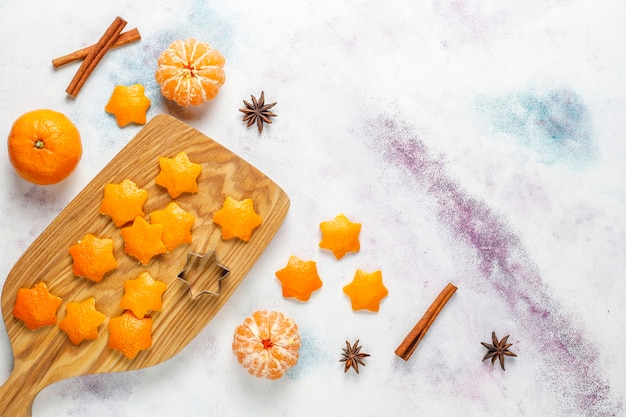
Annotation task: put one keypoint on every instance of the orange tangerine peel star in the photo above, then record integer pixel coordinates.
(36, 307)
(130, 335)
(93, 257)
(82, 321)
(237, 219)
(366, 290)
(179, 175)
(143, 240)
(143, 295)
(177, 224)
(299, 279)
(340, 236)
(128, 105)
(123, 202)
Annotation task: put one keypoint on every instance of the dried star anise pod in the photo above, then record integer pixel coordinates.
(498, 349)
(258, 112)
(352, 356)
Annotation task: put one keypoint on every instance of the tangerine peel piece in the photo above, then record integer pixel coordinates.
(128, 105)
(237, 219)
(340, 236)
(299, 279)
(366, 290)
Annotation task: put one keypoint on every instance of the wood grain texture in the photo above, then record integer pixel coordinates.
(46, 355)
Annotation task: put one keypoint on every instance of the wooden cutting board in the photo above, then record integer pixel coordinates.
(46, 355)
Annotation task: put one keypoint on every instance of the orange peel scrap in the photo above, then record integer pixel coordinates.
(143, 240)
(299, 278)
(129, 334)
(340, 236)
(366, 290)
(93, 257)
(36, 307)
(82, 321)
(123, 202)
(237, 219)
(128, 104)
(178, 174)
(177, 224)
(143, 295)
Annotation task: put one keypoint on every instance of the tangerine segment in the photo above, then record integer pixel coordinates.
(128, 105)
(130, 335)
(190, 72)
(44, 146)
(178, 174)
(340, 236)
(143, 295)
(82, 321)
(366, 290)
(299, 278)
(123, 202)
(143, 240)
(237, 219)
(177, 224)
(93, 257)
(36, 307)
(267, 344)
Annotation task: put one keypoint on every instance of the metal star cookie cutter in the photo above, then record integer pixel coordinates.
(203, 268)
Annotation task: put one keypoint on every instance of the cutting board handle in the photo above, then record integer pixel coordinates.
(17, 396)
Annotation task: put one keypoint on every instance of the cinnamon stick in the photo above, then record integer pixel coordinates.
(125, 38)
(93, 58)
(415, 336)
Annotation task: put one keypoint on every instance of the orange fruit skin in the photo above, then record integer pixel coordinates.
(340, 236)
(93, 257)
(237, 219)
(130, 335)
(190, 72)
(179, 175)
(36, 307)
(267, 344)
(143, 295)
(177, 224)
(44, 146)
(123, 202)
(366, 290)
(299, 279)
(143, 240)
(82, 321)
(128, 105)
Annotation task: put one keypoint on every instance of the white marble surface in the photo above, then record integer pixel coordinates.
(477, 142)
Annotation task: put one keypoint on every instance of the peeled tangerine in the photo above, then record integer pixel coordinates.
(267, 344)
(190, 72)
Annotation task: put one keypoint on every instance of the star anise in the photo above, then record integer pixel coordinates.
(258, 112)
(352, 356)
(498, 349)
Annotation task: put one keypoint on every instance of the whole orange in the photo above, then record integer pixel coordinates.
(44, 146)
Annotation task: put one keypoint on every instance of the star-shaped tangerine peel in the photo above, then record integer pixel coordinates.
(82, 321)
(143, 295)
(299, 279)
(128, 105)
(237, 219)
(129, 334)
(177, 224)
(340, 236)
(366, 290)
(143, 240)
(178, 175)
(36, 307)
(123, 202)
(93, 257)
